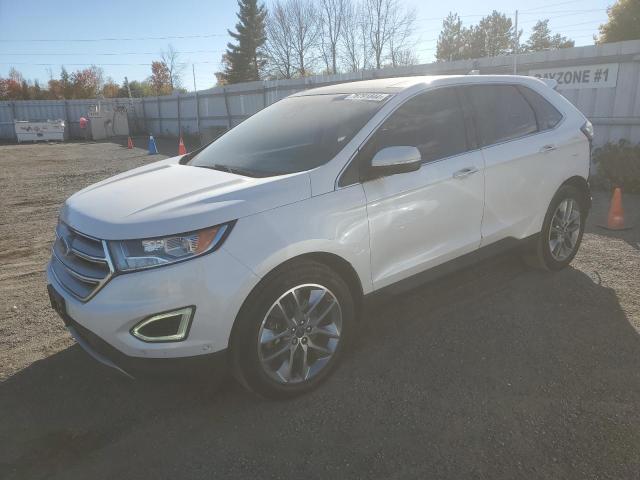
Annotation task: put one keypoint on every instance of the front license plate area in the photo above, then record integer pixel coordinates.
(57, 302)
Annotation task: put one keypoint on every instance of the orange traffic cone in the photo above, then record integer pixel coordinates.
(181, 149)
(615, 220)
(129, 143)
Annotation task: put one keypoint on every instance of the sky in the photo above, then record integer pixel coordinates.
(123, 37)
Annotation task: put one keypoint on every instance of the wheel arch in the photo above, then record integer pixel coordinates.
(582, 185)
(338, 264)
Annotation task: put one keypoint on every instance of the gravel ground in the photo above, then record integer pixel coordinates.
(492, 372)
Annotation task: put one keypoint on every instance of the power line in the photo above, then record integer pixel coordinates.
(210, 35)
(94, 64)
(551, 5)
(110, 39)
(569, 12)
(113, 53)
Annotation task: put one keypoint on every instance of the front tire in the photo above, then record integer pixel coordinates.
(562, 231)
(292, 330)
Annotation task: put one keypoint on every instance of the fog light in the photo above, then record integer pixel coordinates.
(165, 327)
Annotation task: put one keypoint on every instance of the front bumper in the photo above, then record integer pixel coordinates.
(216, 284)
(213, 365)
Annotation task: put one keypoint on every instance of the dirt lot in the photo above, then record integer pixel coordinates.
(493, 372)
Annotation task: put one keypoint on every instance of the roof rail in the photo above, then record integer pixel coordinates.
(551, 83)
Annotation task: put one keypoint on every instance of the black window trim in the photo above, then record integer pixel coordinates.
(472, 147)
(520, 89)
(537, 132)
(466, 107)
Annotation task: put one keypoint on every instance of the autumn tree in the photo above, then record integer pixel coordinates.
(11, 87)
(160, 78)
(110, 89)
(623, 22)
(87, 83)
(245, 60)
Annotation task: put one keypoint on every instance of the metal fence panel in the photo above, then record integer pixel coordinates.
(615, 111)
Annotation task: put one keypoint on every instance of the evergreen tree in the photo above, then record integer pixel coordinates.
(475, 42)
(66, 84)
(623, 23)
(541, 38)
(498, 31)
(244, 61)
(451, 40)
(494, 35)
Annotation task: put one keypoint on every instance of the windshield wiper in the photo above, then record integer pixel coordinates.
(236, 171)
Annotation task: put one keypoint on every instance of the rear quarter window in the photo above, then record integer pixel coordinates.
(546, 114)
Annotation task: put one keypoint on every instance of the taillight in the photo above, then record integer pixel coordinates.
(587, 129)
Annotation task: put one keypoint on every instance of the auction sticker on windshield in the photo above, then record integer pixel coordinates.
(368, 97)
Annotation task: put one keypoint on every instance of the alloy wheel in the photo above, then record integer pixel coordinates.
(300, 334)
(564, 230)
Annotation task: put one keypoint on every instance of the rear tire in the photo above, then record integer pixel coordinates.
(292, 330)
(562, 231)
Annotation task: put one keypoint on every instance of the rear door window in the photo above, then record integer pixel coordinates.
(501, 113)
(546, 114)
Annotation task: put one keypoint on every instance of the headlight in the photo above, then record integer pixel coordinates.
(129, 255)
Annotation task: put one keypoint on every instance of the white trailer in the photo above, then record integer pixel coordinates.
(44, 130)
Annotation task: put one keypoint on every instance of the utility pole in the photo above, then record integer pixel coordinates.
(516, 42)
(131, 107)
(195, 91)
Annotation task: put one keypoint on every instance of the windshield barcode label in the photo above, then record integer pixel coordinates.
(368, 97)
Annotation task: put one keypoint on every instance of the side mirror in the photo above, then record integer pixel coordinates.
(392, 160)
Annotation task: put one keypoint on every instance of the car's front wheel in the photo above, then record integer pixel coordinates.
(292, 330)
(562, 230)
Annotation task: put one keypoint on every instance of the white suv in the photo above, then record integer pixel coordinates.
(257, 250)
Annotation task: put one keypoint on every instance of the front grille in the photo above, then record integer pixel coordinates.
(80, 263)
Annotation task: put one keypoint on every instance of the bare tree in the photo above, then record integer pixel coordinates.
(354, 37)
(171, 59)
(279, 45)
(304, 28)
(350, 40)
(400, 32)
(331, 24)
(389, 26)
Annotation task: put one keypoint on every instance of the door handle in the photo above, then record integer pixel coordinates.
(547, 148)
(465, 172)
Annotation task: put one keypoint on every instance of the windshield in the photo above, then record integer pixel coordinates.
(292, 135)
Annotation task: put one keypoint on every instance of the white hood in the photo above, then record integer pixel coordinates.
(165, 197)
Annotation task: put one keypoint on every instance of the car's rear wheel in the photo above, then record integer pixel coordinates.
(292, 330)
(562, 231)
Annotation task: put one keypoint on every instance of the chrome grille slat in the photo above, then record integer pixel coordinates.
(89, 248)
(87, 257)
(75, 287)
(76, 273)
(80, 263)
